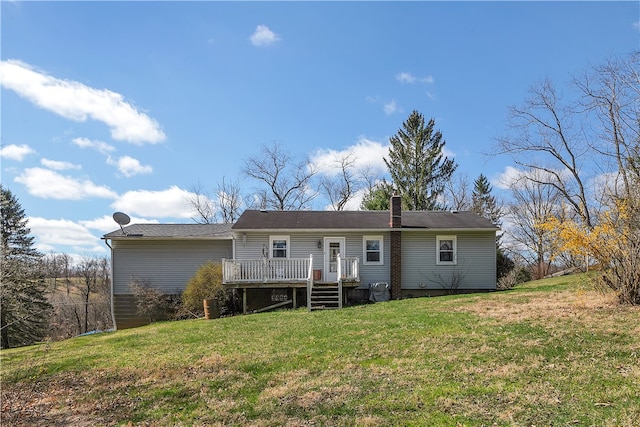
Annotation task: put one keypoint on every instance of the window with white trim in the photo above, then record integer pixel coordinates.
(372, 247)
(446, 248)
(279, 246)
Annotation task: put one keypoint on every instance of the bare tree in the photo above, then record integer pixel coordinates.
(342, 187)
(457, 193)
(546, 136)
(58, 269)
(611, 94)
(229, 200)
(86, 303)
(88, 272)
(534, 203)
(202, 204)
(285, 183)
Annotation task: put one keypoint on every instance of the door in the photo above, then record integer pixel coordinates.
(333, 246)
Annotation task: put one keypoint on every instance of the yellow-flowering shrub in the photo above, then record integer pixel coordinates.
(614, 243)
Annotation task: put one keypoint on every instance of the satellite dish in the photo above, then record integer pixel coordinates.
(122, 219)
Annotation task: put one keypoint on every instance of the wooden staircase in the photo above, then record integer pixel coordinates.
(325, 296)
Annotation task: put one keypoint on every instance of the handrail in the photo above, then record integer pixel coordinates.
(309, 282)
(340, 278)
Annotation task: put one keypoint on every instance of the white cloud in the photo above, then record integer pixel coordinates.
(263, 36)
(106, 223)
(48, 184)
(391, 107)
(75, 101)
(16, 152)
(409, 78)
(170, 203)
(59, 165)
(636, 25)
(129, 166)
(366, 155)
(512, 176)
(507, 178)
(53, 233)
(607, 183)
(99, 146)
(405, 78)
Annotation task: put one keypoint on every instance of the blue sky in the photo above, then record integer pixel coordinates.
(126, 106)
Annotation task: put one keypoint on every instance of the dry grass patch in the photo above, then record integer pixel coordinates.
(584, 306)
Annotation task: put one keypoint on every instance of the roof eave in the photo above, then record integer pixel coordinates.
(309, 230)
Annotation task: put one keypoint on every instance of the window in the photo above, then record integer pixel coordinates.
(279, 246)
(445, 250)
(372, 248)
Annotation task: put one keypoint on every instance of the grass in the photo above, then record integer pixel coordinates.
(551, 352)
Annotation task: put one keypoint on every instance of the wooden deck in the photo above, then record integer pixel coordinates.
(294, 273)
(281, 272)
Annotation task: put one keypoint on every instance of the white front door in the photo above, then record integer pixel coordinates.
(333, 246)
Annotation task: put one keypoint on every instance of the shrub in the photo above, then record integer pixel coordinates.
(205, 284)
(514, 277)
(152, 302)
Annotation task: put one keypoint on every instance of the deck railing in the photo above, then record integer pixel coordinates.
(349, 269)
(276, 270)
(267, 270)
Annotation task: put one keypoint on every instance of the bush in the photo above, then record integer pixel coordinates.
(504, 264)
(514, 277)
(151, 302)
(205, 284)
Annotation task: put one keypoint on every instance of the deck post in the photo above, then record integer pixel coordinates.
(294, 298)
(244, 300)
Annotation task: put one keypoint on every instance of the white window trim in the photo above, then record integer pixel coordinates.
(455, 250)
(285, 238)
(364, 250)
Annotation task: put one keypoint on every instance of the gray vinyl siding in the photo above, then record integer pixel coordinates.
(304, 244)
(476, 261)
(166, 264)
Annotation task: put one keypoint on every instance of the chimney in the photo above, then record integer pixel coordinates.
(396, 246)
(396, 211)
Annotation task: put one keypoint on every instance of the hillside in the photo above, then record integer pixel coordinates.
(550, 352)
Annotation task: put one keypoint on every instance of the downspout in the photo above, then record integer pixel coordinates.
(113, 313)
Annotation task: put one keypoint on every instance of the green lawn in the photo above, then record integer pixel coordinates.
(550, 352)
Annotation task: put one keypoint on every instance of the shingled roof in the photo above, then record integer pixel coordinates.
(358, 220)
(173, 231)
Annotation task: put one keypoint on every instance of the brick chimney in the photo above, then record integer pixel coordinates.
(395, 223)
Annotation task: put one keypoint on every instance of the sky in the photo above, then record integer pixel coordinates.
(129, 106)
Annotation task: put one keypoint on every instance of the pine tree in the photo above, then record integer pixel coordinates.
(483, 203)
(417, 164)
(24, 309)
(378, 197)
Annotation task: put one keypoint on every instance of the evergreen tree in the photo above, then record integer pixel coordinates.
(483, 203)
(24, 309)
(377, 199)
(417, 164)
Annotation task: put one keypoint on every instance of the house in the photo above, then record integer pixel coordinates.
(317, 259)
(165, 256)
